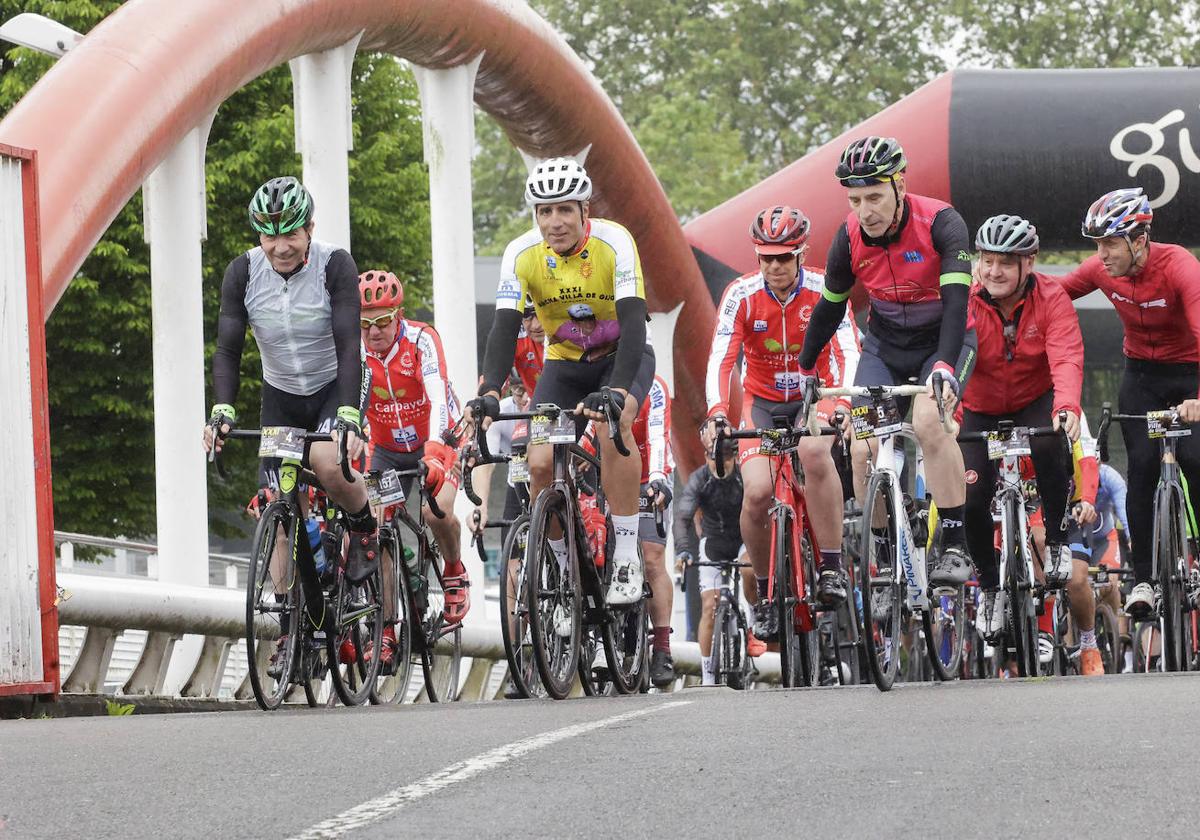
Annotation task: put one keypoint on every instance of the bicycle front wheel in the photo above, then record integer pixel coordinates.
(1171, 563)
(554, 595)
(392, 681)
(273, 599)
(625, 639)
(514, 611)
(441, 655)
(881, 583)
(1108, 639)
(785, 598)
(1022, 611)
(945, 631)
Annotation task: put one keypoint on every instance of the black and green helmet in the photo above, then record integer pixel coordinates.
(280, 206)
(870, 160)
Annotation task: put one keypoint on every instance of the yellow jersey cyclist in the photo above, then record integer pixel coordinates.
(912, 253)
(299, 296)
(585, 279)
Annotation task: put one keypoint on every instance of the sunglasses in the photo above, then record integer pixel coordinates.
(778, 258)
(382, 321)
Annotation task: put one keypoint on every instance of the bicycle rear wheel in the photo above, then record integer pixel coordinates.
(881, 583)
(392, 682)
(593, 683)
(1108, 639)
(359, 615)
(808, 642)
(514, 611)
(554, 597)
(785, 597)
(1171, 561)
(272, 608)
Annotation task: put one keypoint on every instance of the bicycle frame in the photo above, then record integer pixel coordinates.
(789, 501)
(910, 555)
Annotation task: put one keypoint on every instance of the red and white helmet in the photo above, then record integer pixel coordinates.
(380, 290)
(1118, 213)
(779, 230)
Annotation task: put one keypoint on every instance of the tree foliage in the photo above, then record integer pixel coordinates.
(99, 339)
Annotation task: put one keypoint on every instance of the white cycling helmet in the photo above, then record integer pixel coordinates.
(557, 179)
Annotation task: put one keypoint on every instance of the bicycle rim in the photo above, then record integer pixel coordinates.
(514, 611)
(267, 604)
(785, 599)
(880, 582)
(553, 589)
(392, 681)
(945, 631)
(625, 640)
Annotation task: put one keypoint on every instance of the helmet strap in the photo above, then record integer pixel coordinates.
(899, 212)
(1136, 258)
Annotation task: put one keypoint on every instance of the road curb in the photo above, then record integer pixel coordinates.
(99, 705)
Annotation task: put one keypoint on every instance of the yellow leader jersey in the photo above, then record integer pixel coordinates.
(575, 296)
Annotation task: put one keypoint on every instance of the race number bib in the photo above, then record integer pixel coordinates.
(384, 488)
(876, 419)
(1158, 425)
(281, 442)
(539, 429)
(1016, 444)
(518, 469)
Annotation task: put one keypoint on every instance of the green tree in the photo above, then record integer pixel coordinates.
(99, 336)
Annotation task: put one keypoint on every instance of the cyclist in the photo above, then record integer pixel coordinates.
(299, 296)
(652, 434)
(410, 407)
(1029, 371)
(585, 279)
(1155, 289)
(912, 254)
(531, 348)
(718, 501)
(763, 317)
(502, 438)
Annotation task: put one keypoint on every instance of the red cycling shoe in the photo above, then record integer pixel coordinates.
(458, 599)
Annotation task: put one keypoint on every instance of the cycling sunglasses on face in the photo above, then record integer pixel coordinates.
(778, 258)
(382, 321)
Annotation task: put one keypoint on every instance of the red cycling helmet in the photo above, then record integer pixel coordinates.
(380, 290)
(779, 230)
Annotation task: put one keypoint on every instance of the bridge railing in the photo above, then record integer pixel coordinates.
(118, 633)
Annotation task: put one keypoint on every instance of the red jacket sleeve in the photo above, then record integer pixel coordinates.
(727, 344)
(1064, 346)
(1187, 281)
(1082, 280)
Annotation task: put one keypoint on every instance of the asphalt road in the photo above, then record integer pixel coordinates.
(1065, 757)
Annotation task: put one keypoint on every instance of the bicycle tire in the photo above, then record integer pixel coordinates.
(270, 692)
(549, 587)
(392, 684)
(783, 597)
(594, 685)
(1108, 639)
(944, 624)
(441, 670)
(625, 637)
(359, 612)
(514, 611)
(880, 581)
(1170, 557)
(719, 650)
(809, 641)
(1022, 618)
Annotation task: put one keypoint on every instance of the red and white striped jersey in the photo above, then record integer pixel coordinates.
(409, 399)
(652, 433)
(768, 334)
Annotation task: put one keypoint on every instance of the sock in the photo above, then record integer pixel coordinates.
(1087, 639)
(363, 522)
(1128, 662)
(1046, 619)
(953, 532)
(626, 530)
(830, 559)
(762, 587)
(662, 639)
(559, 547)
(707, 677)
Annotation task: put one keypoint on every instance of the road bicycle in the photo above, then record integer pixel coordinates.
(731, 660)
(322, 626)
(892, 572)
(1174, 571)
(792, 574)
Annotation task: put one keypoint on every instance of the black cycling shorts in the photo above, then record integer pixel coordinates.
(565, 383)
(882, 364)
(316, 412)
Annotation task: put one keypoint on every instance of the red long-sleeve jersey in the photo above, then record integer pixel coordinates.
(1020, 359)
(1159, 306)
(768, 334)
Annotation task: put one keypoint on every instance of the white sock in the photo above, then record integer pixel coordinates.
(1087, 639)
(559, 547)
(625, 529)
(707, 677)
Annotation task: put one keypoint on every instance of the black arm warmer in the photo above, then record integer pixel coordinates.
(685, 507)
(341, 279)
(631, 346)
(231, 332)
(954, 322)
(501, 349)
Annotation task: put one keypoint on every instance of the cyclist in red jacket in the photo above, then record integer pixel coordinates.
(763, 318)
(1155, 288)
(1029, 370)
(409, 405)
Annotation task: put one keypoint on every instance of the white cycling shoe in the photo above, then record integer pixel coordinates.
(991, 614)
(626, 585)
(1140, 603)
(563, 625)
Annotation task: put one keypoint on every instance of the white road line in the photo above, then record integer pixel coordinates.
(386, 805)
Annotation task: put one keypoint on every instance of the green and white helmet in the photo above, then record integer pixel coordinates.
(870, 160)
(280, 206)
(1005, 234)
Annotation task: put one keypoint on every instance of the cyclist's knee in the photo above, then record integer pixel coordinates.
(541, 464)
(816, 458)
(860, 455)
(757, 491)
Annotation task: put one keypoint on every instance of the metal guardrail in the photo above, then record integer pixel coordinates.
(108, 606)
